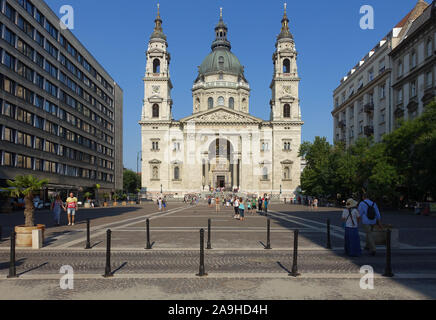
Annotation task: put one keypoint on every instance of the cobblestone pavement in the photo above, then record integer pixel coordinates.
(238, 265)
(232, 289)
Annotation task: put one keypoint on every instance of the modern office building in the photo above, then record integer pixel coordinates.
(363, 102)
(61, 112)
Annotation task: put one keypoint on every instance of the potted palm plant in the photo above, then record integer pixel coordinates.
(26, 186)
(124, 198)
(106, 196)
(87, 195)
(115, 197)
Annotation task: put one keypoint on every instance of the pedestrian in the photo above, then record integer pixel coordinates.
(259, 204)
(217, 203)
(241, 209)
(370, 215)
(253, 205)
(351, 218)
(56, 207)
(164, 203)
(209, 201)
(71, 208)
(236, 208)
(249, 206)
(265, 205)
(159, 203)
(315, 204)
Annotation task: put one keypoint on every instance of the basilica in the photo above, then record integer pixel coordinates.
(221, 145)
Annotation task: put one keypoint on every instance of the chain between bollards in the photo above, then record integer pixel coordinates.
(329, 241)
(201, 272)
(294, 272)
(88, 235)
(148, 245)
(107, 271)
(209, 245)
(268, 234)
(12, 269)
(388, 268)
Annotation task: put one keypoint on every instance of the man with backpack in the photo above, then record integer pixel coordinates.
(370, 214)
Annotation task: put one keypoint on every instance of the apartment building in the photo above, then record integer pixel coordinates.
(363, 100)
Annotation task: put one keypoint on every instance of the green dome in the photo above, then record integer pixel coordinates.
(221, 59)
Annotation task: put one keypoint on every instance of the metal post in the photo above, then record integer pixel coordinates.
(268, 234)
(201, 272)
(209, 245)
(294, 272)
(148, 246)
(388, 268)
(107, 272)
(329, 243)
(12, 270)
(88, 236)
(1, 239)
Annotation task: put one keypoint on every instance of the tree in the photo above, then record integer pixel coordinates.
(131, 181)
(26, 186)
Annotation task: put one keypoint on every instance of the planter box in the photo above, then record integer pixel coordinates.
(124, 203)
(87, 205)
(114, 203)
(24, 235)
(105, 204)
(132, 202)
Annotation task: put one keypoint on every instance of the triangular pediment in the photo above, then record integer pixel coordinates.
(222, 114)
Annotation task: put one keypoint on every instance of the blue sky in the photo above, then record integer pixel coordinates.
(327, 36)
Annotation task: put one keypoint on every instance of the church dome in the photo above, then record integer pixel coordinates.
(221, 59)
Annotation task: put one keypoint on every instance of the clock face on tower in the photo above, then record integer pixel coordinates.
(156, 89)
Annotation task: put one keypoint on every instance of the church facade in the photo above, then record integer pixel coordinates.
(221, 145)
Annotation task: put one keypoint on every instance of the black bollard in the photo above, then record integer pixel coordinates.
(148, 246)
(294, 272)
(1, 239)
(329, 242)
(88, 235)
(209, 245)
(268, 234)
(12, 270)
(388, 268)
(107, 271)
(201, 272)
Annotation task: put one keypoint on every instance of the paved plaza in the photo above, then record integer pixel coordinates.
(238, 265)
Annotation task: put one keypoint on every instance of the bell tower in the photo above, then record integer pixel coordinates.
(157, 103)
(285, 104)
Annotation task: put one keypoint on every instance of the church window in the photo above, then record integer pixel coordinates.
(221, 62)
(155, 111)
(155, 173)
(286, 173)
(155, 145)
(231, 103)
(286, 66)
(220, 101)
(210, 103)
(265, 173)
(156, 66)
(286, 111)
(176, 173)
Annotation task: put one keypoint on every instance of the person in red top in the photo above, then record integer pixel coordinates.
(71, 208)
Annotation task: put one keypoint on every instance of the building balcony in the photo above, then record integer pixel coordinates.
(413, 104)
(342, 124)
(368, 130)
(399, 111)
(369, 107)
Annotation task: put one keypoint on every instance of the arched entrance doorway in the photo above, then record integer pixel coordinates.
(219, 170)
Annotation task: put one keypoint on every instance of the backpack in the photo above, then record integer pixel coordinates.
(371, 211)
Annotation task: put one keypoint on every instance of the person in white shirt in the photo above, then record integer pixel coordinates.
(351, 218)
(236, 206)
